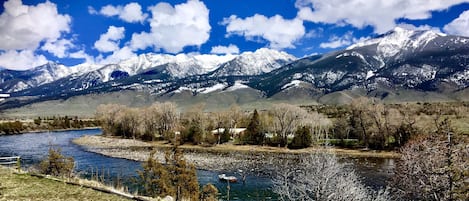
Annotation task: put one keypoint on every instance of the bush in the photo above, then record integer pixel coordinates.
(57, 164)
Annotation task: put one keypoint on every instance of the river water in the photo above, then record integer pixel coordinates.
(33, 147)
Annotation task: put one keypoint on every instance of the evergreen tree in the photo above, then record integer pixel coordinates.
(176, 178)
(225, 135)
(57, 164)
(302, 138)
(253, 133)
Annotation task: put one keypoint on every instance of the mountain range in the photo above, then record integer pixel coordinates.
(401, 65)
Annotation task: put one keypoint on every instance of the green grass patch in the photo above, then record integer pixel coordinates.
(26, 187)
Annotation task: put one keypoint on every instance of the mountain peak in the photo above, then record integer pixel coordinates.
(398, 40)
(261, 61)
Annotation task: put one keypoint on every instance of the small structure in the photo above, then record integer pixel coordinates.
(231, 179)
(234, 132)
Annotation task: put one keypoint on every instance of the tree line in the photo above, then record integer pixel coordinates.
(362, 124)
(284, 125)
(46, 123)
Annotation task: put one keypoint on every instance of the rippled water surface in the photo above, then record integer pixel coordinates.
(33, 147)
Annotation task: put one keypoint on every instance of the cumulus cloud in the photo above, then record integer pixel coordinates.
(345, 40)
(419, 28)
(117, 56)
(24, 27)
(109, 41)
(173, 28)
(58, 48)
(81, 54)
(279, 32)
(230, 49)
(21, 60)
(459, 26)
(131, 12)
(380, 14)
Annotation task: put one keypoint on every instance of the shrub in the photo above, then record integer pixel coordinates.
(57, 164)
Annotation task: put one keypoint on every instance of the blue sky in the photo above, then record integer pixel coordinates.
(106, 31)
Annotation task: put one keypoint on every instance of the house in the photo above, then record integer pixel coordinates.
(235, 132)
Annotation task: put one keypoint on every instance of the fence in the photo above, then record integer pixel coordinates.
(11, 160)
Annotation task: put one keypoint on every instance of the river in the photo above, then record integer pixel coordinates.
(33, 147)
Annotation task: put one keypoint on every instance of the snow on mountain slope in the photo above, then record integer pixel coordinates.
(47, 73)
(397, 40)
(178, 66)
(254, 63)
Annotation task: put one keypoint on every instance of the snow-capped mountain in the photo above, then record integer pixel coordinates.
(254, 63)
(159, 67)
(400, 60)
(13, 81)
(407, 59)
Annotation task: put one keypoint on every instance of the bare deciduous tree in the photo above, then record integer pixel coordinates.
(321, 177)
(433, 167)
(286, 118)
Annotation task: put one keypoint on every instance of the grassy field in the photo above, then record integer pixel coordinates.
(26, 187)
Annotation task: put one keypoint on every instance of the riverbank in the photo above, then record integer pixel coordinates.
(51, 130)
(23, 186)
(225, 157)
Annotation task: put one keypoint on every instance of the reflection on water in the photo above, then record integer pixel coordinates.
(33, 147)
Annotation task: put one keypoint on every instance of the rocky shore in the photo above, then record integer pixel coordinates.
(217, 158)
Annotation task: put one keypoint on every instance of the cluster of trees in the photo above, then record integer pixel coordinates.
(284, 125)
(363, 123)
(8, 128)
(46, 123)
(176, 178)
(64, 122)
(375, 125)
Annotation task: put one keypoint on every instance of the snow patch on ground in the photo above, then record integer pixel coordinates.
(211, 89)
(293, 83)
(238, 85)
(369, 74)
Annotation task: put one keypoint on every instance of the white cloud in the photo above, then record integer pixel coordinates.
(419, 28)
(24, 27)
(109, 41)
(459, 26)
(58, 48)
(230, 49)
(116, 56)
(92, 11)
(173, 28)
(132, 12)
(345, 40)
(110, 10)
(21, 60)
(82, 55)
(279, 32)
(380, 14)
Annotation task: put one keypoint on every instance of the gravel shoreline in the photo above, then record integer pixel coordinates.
(220, 158)
(139, 151)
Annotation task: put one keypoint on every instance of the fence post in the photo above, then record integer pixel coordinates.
(18, 164)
